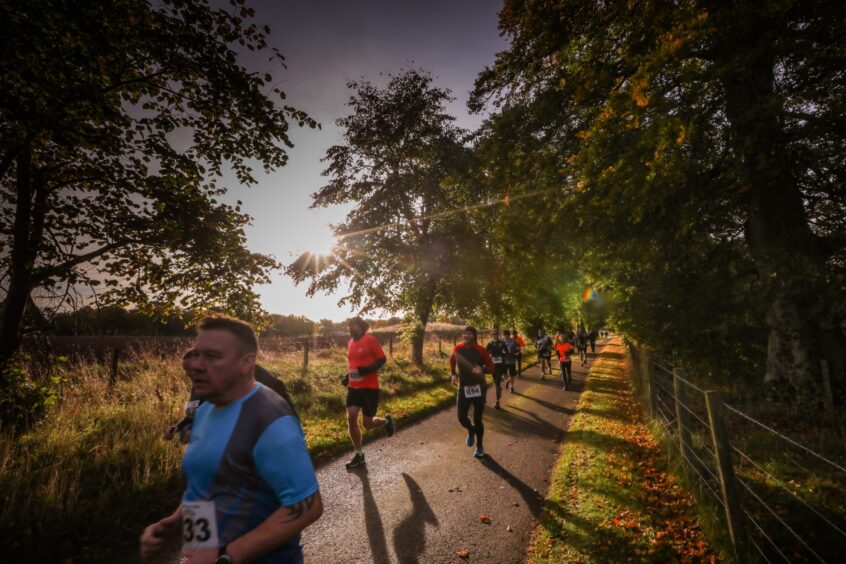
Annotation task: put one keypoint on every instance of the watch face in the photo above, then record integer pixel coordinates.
(223, 559)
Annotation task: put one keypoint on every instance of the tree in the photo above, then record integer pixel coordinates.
(399, 164)
(699, 145)
(116, 120)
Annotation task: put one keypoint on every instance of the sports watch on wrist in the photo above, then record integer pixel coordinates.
(222, 557)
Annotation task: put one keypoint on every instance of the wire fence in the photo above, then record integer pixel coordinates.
(779, 499)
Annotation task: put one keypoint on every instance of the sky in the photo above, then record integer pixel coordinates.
(327, 43)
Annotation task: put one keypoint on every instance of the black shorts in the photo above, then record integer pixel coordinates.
(499, 370)
(365, 398)
(511, 369)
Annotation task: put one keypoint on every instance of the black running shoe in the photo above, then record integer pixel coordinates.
(389, 425)
(357, 460)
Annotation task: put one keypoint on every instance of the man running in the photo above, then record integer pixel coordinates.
(364, 358)
(471, 362)
(498, 351)
(521, 344)
(592, 340)
(511, 359)
(582, 344)
(250, 484)
(544, 347)
(565, 348)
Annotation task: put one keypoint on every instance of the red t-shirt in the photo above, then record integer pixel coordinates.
(564, 349)
(364, 352)
(520, 342)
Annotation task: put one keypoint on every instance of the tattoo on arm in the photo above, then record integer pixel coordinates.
(299, 509)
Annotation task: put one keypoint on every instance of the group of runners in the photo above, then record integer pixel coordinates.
(251, 486)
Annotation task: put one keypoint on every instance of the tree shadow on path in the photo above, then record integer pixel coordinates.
(372, 520)
(409, 536)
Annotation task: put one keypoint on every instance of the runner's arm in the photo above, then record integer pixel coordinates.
(155, 536)
(452, 362)
(486, 358)
(371, 368)
(278, 528)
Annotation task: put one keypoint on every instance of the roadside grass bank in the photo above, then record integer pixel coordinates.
(81, 484)
(612, 497)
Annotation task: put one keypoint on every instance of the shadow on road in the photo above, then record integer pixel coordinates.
(373, 522)
(409, 536)
(534, 501)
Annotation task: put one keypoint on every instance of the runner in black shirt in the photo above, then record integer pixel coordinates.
(468, 364)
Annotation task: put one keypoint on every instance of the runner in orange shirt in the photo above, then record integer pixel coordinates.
(565, 350)
(519, 354)
(364, 358)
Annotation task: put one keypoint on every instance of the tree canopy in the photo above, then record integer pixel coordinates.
(117, 122)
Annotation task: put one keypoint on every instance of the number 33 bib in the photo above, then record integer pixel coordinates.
(199, 525)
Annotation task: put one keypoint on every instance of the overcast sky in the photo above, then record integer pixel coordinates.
(326, 43)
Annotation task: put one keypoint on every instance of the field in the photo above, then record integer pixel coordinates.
(84, 481)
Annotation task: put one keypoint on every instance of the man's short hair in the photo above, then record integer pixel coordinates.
(472, 329)
(506, 333)
(360, 322)
(243, 331)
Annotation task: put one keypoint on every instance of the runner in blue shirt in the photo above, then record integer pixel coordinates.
(251, 487)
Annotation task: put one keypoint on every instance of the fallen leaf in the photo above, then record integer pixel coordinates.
(484, 519)
(463, 553)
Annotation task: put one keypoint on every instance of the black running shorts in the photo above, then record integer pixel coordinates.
(365, 398)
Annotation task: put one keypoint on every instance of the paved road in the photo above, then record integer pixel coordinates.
(420, 496)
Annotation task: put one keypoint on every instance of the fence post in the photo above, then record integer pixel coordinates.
(682, 416)
(113, 373)
(440, 350)
(828, 396)
(725, 470)
(305, 353)
(391, 346)
(646, 371)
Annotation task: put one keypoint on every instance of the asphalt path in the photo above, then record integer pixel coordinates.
(421, 494)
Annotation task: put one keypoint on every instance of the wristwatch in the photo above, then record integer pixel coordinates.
(222, 557)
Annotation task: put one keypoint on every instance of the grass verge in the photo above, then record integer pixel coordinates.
(612, 498)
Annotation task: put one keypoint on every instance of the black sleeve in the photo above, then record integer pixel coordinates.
(370, 368)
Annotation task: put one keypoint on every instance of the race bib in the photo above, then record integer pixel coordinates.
(473, 391)
(199, 525)
(191, 407)
(355, 376)
(497, 359)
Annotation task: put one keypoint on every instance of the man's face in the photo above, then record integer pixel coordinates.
(469, 338)
(495, 336)
(356, 330)
(217, 364)
(541, 333)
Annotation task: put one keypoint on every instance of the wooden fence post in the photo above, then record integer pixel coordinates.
(305, 354)
(725, 470)
(682, 416)
(113, 373)
(828, 396)
(391, 346)
(646, 371)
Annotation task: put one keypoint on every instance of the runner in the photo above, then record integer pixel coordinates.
(471, 361)
(592, 340)
(565, 349)
(519, 355)
(513, 350)
(251, 487)
(582, 344)
(544, 348)
(364, 358)
(498, 350)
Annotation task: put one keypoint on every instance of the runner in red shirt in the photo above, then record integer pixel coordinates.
(364, 358)
(468, 364)
(565, 350)
(519, 356)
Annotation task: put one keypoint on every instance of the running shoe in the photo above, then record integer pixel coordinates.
(357, 460)
(389, 425)
(480, 452)
(471, 438)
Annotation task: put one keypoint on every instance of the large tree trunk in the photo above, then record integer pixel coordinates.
(790, 261)
(422, 312)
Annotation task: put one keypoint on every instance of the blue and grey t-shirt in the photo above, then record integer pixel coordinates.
(250, 459)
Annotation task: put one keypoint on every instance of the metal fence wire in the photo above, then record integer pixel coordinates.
(767, 518)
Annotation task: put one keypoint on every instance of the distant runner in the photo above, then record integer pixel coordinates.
(365, 357)
(513, 351)
(565, 349)
(498, 350)
(250, 484)
(592, 339)
(471, 361)
(544, 347)
(518, 357)
(582, 344)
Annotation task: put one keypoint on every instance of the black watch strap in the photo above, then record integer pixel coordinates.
(222, 557)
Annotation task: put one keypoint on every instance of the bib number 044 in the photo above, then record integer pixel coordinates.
(199, 525)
